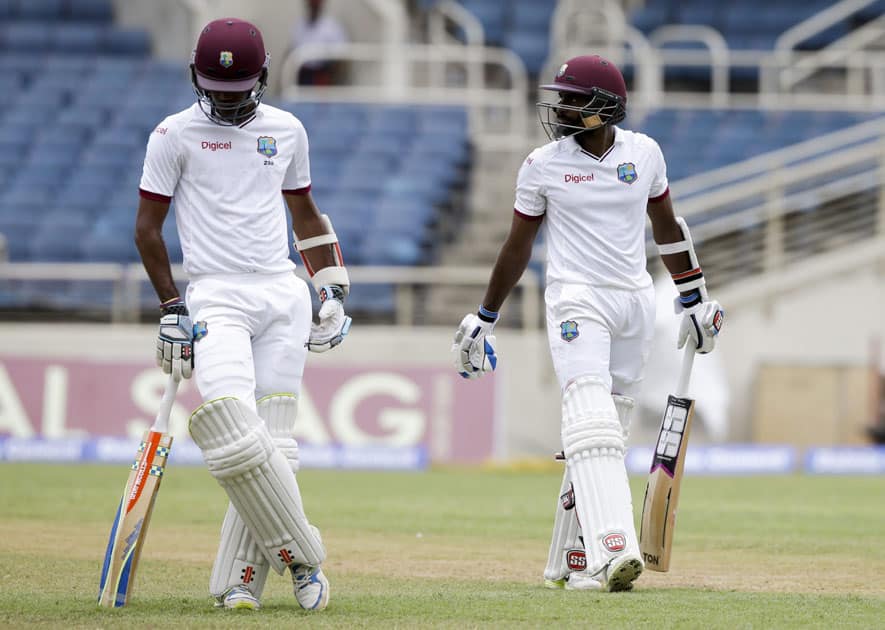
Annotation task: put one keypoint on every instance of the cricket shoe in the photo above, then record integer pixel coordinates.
(555, 584)
(581, 581)
(311, 586)
(238, 598)
(621, 572)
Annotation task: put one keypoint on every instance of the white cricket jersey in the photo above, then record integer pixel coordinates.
(594, 208)
(226, 183)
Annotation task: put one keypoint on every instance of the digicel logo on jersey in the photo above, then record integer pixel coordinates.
(577, 178)
(216, 146)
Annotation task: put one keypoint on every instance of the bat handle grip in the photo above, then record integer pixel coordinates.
(161, 424)
(685, 372)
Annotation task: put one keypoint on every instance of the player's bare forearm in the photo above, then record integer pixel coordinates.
(306, 223)
(152, 248)
(512, 260)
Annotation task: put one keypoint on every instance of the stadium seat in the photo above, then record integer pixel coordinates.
(129, 42)
(58, 236)
(650, 16)
(111, 239)
(14, 63)
(531, 15)
(699, 12)
(83, 196)
(491, 14)
(391, 249)
(34, 187)
(63, 66)
(41, 10)
(371, 299)
(20, 36)
(100, 11)
(76, 38)
(18, 227)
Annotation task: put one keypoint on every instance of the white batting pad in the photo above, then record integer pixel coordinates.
(241, 455)
(279, 412)
(566, 549)
(239, 560)
(594, 449)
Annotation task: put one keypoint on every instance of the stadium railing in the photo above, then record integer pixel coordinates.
(823, 197)
(849, 52)
(128, 298)
(678, 47)
(419, 74)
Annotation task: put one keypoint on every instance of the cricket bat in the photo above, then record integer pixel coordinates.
(665, 476)
(136, 504)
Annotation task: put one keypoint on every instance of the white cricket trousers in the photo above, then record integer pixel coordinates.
(602, 332)
(258, 325)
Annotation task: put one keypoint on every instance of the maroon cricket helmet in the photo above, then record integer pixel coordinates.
(582, 74)
(597, 78)
(230, 56)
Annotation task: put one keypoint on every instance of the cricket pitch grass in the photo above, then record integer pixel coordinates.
(451, 549)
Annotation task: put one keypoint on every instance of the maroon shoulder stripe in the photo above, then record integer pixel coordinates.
(152, 196)
(662, 196)
(528, 217)
(298, 191)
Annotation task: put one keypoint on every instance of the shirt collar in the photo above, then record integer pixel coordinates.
(619, 139)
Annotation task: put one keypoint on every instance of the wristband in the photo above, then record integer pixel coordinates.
(173, 306)
(691, 298)
(486, 315)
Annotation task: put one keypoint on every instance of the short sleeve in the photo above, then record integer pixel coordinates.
(162, 162)
(531, 199)
(298, 174)
(659, 183)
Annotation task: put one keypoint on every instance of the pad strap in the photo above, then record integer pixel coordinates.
(315, 241)
(664, 249)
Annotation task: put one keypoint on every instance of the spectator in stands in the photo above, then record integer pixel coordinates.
(593, 185)
(225, 160)
(318, 27)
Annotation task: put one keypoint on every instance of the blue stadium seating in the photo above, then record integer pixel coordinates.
(492, 14)
(100, 11)
(131, 42)
(72, 139)
(521, 25)
(745, 24)
(694, 141)
(74, 121)
(58, 236)
(42, 10)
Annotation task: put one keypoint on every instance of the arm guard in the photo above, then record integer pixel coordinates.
(692, 278)
(335, 274)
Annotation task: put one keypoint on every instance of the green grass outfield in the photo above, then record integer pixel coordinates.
(451, 549)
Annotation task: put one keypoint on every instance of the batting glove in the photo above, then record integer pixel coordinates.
(175, 350)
